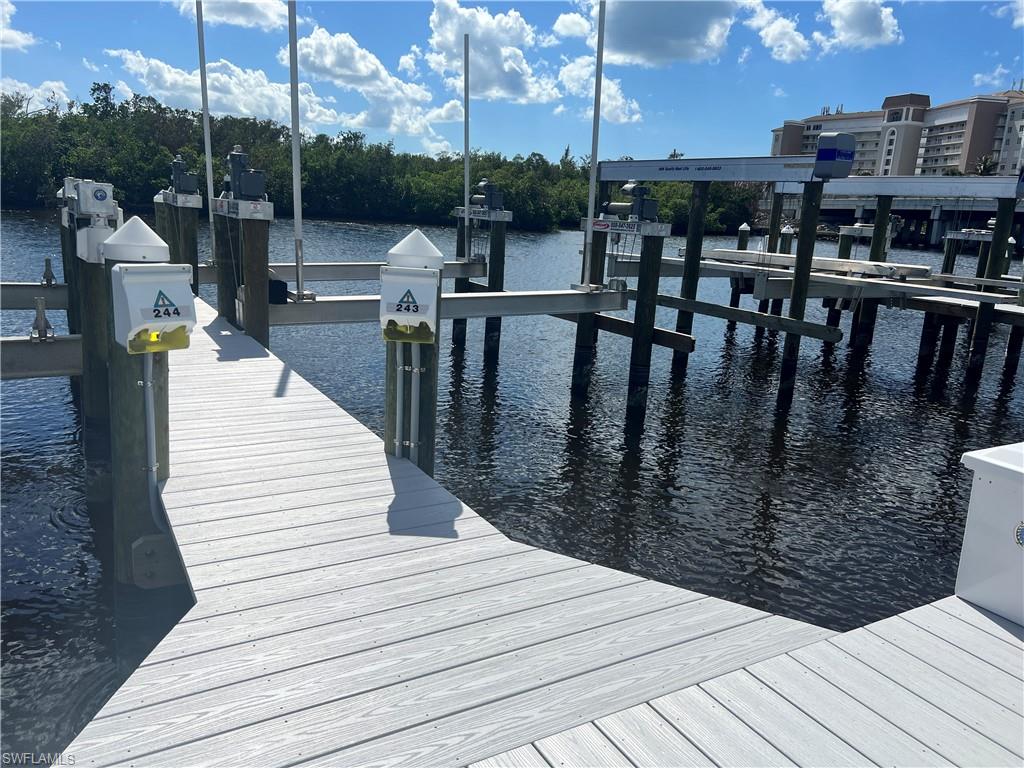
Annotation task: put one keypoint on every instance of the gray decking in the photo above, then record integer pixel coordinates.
(938, 685)
(350, 611)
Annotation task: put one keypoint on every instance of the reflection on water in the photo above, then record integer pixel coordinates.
(848, 508)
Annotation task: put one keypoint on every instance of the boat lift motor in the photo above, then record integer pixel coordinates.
(183, 182)
(638, 208)
(489, 196)
(243, 182)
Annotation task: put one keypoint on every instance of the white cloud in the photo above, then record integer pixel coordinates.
(577, 76)
(264, 14)
(38, 95)
(393, 104)
(89, 65)
(13, 39)
(436, 145)
(500, 70)
(58, 45)
(571, 25)
(744, 55)
(778, 33)
(548, 41)
(407, 63)
(558, 109)
(991, 79)
(123, 90)
(232, 90)
(652, 33)
(857, 24)
(777, 91)
(1015, 10)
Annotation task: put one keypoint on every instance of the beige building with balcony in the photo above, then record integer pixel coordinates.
(908, 136)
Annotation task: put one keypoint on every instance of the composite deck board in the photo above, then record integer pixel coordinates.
(983, 677)
(890, 693)
(649, 741)
(980, 712)
(584, 745)
(351, 611)
(793, 733)
(988, 622)
(1008, 656)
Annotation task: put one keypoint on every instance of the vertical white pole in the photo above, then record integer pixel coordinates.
(465, 144)
(588, 235)
(293, 59)
(206, 122)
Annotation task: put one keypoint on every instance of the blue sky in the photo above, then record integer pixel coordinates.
(705, 78)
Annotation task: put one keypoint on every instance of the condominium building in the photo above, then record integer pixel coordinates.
(908, 136)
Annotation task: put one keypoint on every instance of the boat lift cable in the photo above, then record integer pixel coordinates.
(588, 234)
(206, 124)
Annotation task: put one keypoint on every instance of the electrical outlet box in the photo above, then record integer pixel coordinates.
(154, 310)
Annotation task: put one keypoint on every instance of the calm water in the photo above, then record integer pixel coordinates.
(850, 510)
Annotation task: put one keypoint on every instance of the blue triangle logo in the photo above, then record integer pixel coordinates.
(163, 302)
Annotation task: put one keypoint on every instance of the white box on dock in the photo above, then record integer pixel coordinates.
(991, 573)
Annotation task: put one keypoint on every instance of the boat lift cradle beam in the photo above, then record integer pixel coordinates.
(22, 358)
(366, 309)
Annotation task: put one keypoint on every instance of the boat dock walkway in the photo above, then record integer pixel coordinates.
(350, 611)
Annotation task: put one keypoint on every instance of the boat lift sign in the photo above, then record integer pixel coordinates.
(408, 304)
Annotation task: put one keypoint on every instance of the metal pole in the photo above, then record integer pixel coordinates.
(414, 412)
(588, 236)
(149, 406)
(467, 232)
(293, 61)
(206, 123)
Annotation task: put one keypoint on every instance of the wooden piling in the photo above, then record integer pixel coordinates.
(774, 232)
(132, 517)
(997, 259)
(984, 249)
(990, 265)
(496, 282)
(929, 338)
(809, 212)
(461, 283)
(184, 246)
(398, 388)
(742, 241)
(254, 247)
(949, 254)
(947, 342)
(981, 331)
(1011, 360)
(69, 263)
(845, 246)
(691, 265)
(863, 330)
(644, 312)
(226, 234)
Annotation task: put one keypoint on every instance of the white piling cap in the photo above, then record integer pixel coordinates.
(1011, 241)
(744, 227)
(135, 241)
(787, 230)
(416, 250)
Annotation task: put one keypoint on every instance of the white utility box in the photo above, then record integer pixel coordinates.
(991, 573)
(89, 239)
(409, 291)
(154, 309)
(152, 300)
(95, 198)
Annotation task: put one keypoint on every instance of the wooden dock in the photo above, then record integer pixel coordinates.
(350, 611)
